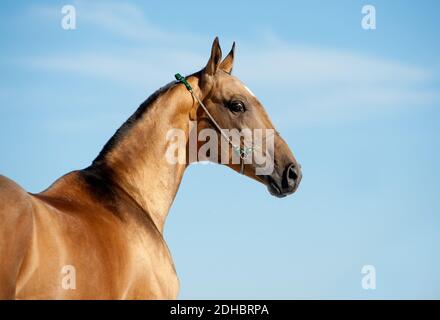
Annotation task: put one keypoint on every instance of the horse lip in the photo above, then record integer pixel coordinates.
(275, 187)
(275, 190)
(278, 191)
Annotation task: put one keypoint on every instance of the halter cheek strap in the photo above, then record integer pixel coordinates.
(240, 151)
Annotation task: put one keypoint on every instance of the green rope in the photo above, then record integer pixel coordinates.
(182, 79)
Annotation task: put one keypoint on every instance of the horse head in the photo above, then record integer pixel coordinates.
(229, 105)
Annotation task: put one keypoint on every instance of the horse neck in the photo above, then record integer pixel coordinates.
(137, 162)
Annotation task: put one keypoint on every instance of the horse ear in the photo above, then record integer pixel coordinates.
(228, 62)
(216, 56)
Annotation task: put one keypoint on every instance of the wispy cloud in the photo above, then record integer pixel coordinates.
(118, 18)
(284, 63)
(130, 67)
(303, 84)
(315, 85)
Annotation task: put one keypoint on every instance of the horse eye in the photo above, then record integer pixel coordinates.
(237, 106)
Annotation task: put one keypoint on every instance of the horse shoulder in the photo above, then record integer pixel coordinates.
(15, 233)
(15, 204)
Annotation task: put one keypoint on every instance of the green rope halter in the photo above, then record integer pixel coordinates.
(242, 152)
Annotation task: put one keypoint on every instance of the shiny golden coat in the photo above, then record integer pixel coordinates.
(107, 220)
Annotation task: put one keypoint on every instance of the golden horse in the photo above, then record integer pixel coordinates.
(103, 226)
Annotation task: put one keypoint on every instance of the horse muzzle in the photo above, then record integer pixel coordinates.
(286, 183)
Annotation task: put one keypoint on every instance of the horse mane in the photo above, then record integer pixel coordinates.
(128, 124)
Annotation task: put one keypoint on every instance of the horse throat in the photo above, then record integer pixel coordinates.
(135, 157)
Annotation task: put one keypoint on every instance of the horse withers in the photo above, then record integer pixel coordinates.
(97, 233)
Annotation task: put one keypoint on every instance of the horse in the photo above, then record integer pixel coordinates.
(97, 233)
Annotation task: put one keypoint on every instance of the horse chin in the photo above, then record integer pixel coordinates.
(275, 191)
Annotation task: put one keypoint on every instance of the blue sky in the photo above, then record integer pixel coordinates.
(360, 110)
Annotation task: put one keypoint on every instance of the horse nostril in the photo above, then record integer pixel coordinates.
(290, 177)
(292, 174)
